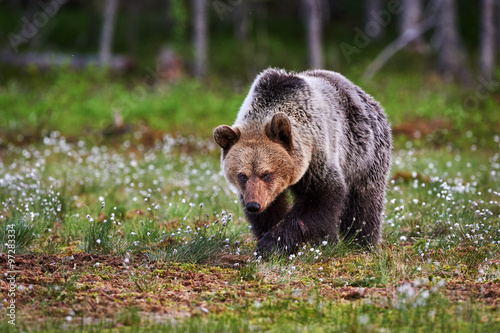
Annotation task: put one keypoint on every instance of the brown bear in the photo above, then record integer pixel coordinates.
(318, 139)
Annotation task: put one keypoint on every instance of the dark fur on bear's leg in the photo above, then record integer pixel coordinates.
(313, 218)
(263, 222)
(361, 221)
(359, 224)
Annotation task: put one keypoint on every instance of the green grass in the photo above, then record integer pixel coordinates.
(31, 110)
(435, 113)
(432, 313)
(148, 219)
(170, 251)
(175, 213)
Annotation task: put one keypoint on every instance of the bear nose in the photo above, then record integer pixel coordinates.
(253, 207)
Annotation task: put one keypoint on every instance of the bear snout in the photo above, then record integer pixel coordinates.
(253, 207)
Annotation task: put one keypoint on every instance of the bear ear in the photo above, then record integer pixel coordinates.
(279, 129)
(226, 136)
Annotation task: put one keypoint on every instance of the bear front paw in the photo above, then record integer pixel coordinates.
(266, 245)
(276, 242)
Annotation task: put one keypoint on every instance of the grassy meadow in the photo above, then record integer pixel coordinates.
(139, 231)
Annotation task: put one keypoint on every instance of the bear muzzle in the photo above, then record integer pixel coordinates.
(254, 195)
(252, 207)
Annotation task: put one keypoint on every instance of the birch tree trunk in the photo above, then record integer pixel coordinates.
(371, 10)
(496, 19)
(487, 38)
(106, 43)
(451, 58)
(242, 24)
(200, 34)
(313, 33)
(409, 20)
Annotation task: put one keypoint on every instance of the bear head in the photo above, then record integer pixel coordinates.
(259, 161)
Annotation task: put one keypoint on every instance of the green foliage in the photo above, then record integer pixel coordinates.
(179, 15)
(25, 234)
(421, 107)
(195, 246)
(79, 103)
(166, 206)
(96, 237)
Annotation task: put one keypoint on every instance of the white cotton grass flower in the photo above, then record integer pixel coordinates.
(363, 319)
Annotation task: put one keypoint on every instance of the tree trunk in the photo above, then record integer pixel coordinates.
(313, 33)
(371, 10)
(487, 46)
(133, 10)
(496, 9)
(109, 15)
(200, 32)
(242, 24)
(450, 52)
(261, 41)
(409, 21)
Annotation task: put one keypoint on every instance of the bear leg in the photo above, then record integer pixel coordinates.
(361, 221)
(312, 218)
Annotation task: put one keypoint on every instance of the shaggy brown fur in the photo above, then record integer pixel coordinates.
(320, 137)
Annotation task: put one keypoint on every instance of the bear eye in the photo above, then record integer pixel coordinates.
(242, 178)
(267, 177)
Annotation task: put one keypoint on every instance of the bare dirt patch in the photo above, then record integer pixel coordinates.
(100, 286)
(418, 128)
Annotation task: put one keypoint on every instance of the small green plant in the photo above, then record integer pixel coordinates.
(24, 234)
(195, 245)
(97, 236)
(248, 272)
